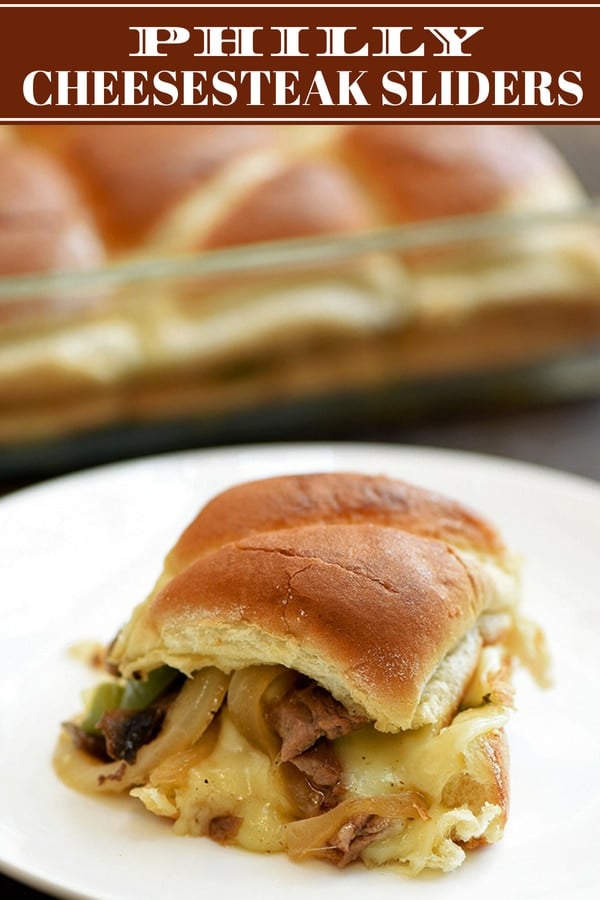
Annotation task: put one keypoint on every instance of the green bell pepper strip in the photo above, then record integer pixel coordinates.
(132, 694)
(106, 696)
(139, 694)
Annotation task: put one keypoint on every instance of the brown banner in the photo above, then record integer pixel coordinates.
(306, 63)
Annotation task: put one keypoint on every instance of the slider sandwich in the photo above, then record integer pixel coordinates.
(323, 668)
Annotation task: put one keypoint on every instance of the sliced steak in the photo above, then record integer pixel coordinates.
(92, 744)
(352, 838)
(126, 730)
(323, 772)
(224, 828)
(306, 714)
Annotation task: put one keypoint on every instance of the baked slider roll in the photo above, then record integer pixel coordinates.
(44, 227)
(326, 673)
(134, 174)
(262, 328)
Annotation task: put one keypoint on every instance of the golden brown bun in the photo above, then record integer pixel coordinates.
(44, 226)
(284, 207)
(289, 501)
(425, 172)
(185, 186)
(135, 173)
(361, 599)
(161, 349)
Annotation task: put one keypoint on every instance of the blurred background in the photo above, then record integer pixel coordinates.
(178, 287)
(170, 287)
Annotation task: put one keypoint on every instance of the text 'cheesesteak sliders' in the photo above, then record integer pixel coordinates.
(323, 668)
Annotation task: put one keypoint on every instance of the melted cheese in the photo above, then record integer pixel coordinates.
(234, 779)
(376, 763)
(224, 775)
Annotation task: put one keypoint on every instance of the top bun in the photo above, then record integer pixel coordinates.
(44, 226)
(177, 187)
(287, 501)
(431, 171)
(372, 587)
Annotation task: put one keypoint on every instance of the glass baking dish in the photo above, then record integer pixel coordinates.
(271, 341)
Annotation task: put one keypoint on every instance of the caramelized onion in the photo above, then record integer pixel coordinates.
(314, 835)
(250, 691)
(186, 720)
(173, 770)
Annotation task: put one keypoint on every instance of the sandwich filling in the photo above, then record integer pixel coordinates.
(265, 758)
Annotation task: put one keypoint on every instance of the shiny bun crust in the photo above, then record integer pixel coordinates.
(217, 186)
(44, 224)
(240, 341)
(372, 587)
(153, 187)
(437, 171)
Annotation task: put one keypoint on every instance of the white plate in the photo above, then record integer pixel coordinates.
(79, 551)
